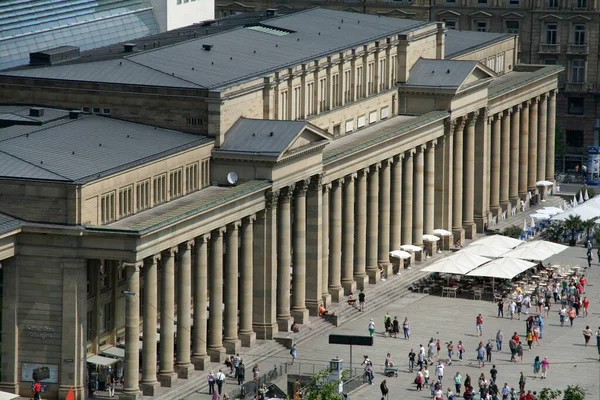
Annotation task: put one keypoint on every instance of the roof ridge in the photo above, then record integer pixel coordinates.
(159, 71)
(35, 165)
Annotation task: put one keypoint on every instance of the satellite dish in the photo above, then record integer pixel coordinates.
(232, 178)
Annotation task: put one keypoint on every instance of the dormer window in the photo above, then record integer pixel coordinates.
(481, 26)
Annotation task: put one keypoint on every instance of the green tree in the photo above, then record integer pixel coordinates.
(574, 393)
(573, 225)
(549, 394)
(513, 231)
(320, 388)
(588, 226)
(554, 232)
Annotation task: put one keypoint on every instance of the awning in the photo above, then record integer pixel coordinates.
(113, 352)
(504, 268)
(99, 360)
(458, 263)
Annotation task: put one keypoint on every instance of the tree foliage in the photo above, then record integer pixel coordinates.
(513, 231)
(588, 226)
(554, 231)
(574, 393)
(573, 225)
(320, 388)
(549, 394)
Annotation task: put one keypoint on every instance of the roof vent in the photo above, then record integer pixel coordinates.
(448, 71)
(36, 112)
(207, 47)
(74, 114)
(54, 56)
(271, 12)
(271, 134)
(129, 47)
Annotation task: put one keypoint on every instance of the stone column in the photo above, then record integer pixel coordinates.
(167, 376)
(360, 231)
(407, 196)
(524, 151)
(149, 382)
(383, 243)
(429, 196)
(299, 310)
(533, 144)
(418, 190)
(505, 162)
(335, 242)
(216, 351)
(314, 245)
(199, 356)
(495, 166)
(184, 365)
(550, 153)
(444, 177)
(457, 189)
(230, 341)
(284, 250)
(10, 332)
(325, 297)
(542, 134)
(348, 235)
(515, 124)
(131, 389)
(373, 223)
(482, 152)
(469, 177)
(246, 334)
(396, 204)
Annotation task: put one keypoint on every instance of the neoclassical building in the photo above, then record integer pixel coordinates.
(349, 135)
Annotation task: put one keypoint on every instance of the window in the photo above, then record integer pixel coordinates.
(577, 70)
(107, 207)
(359, 82)
(500, 63)
(335, 83)
(372, 117)
(370, 78)
(393, 70)
(382, 75)
(86, 110)
(450, 23)
(336, 130)
(481, 1)
(581, 4)
(481, 26)
(159, 184)
(552, 3)
(297, 103)
(450, 1)
(512, 27)
(360, 122)
(283, 105)
(574, 138)
(142, 195)
(205, 173)
(384, 113)
(579, 34)
(191, 178)
(551, 33)
(347, 86)
(125, 201)
(349, 126)
(96, 110)
(106, 320)
(549, 61)
(175, 183)
(514, 2)
(310, 98)
(105, 275)
(90, 321)
(106, 111)
(491, 63)
(194, 121)
(575, 105)
(322, 94)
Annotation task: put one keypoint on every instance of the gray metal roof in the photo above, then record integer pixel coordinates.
(8, 223)
(243, 53)
(87, 148)
(261, 136)
(440, 73)
(460, 42)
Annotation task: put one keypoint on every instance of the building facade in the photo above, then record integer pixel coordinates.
(307, 146)
(551, 32)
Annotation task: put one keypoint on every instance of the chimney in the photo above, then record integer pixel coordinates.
(36, 112)
(271, 12)
(74, 114)
(207, 47)
(129, 47)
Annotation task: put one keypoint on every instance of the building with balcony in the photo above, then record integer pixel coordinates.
(562, 32)
(138, 188)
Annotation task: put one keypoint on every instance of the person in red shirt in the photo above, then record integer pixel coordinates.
(516, 337)
(479, 325)
(529, 395)
(37, 391)
(583, 280)
(586, 304)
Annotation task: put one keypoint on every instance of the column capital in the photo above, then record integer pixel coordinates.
(204, 238)
(526, 103)
(460, 124)
(272, 198)
(317, 181)
(399, 157)
(409, 153)
(535, 100)
(171, 251)
(136, 266)
(472, 119)
(327, 187)
(484, 113)
(219, 232)
(351, 177)
(449, 125)
(302, 187)
(431, 144)
(338, 182)
(507, 113)
(517, 108)
(421, 148)
(152, 259)
(375, 167)
(387, 162)
(545, 96)
(553, 92)
(234, 226)
(287, 193)
(363, 172)
(249, 219)
(187, 245)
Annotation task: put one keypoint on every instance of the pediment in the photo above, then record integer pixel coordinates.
(234, 4)
(480, 14)
(397, 12)
(453, 13)
(550, 16)
(513, 14)
(580, 18)
(309, 136)
(479, 73)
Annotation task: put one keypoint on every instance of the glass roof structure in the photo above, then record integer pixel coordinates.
(35, 25)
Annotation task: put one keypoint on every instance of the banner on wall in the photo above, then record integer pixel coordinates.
(44, 373)
(593, 166)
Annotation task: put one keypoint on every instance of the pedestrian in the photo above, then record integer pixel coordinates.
(235, 361)
(426, 374)
(598, 342)
(384, 390)
(512, 306)
(545, 366)
(396, 327)
(387, 324)
(493, 374)
(450, 395)
(501, 308)
(293, 353)
(37, 390)
(512, 345)
(585, 303)
(522, 382)
(450, 349)
(520, 351)
(419, 379)
(505, 391)
(536, 366)
(479, 325)
(499, 339)
(562, 315)
(457, 383)
(488, 351)
(589, 259)
(241, 372)
(406, 328)
(439, 370)
(256, 372)
(480, 355)
(541, 326)
(216, 396)
(421, 357)
(220, 378)
(530, 339)
(460, 348)
(361, 301)
(519, 305)
(430, 351)
(572, 315)
(371, 327)
(411, 360)
(438, 347)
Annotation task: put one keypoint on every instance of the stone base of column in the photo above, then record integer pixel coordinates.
(149, 388)
(300, 316)
(388, 268)
(247, 338)
(217, 355)
(349, 287)
(458, 234)
(201, 363)
(515, 202)
(496, 211)
(362, 281)
(430, 249)
(374, 275)
(184, 371)
(77, 390)
(10, 387)
(169, 379)
(417, 255)
(326, 300)
(232, 346)
(284, 324)
(337, 294)
(123, 396)
(264, 331)
(480, 221)
(506, 206)
(470, 230)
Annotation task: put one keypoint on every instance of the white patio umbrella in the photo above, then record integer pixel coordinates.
(503, 268)
(525, 253)
(580, 198)
(442, 232)
(499, 241)
(574, 199)
(403, 255)
(8, 396)
(539, 216)
(554, 248)
(586, 197)
(550, 210)
(585, 212)
(544, 183)
(524, 225)
(532, 221)
(431, 238)
(410, 247)
(459, 263)
(484, 250)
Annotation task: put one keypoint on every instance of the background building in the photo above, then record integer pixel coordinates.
(563, 32)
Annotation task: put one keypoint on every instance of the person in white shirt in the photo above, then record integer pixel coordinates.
(220, 380)
(511, 308)
(439, 370)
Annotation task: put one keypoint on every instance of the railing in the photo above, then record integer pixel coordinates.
(578, 48)
(314, 369)
(550, 48)
(264, 380)
(576, 87)
(353, 383)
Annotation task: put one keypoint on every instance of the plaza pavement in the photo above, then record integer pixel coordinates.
(454, 319)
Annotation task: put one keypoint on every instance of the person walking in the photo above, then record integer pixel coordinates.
(545, 366)
(457, 383)
(411, 360)
(587, 335)
(512, 306)
(530, 339)
(450, 349)
(505, 391)
(384, 390)
(499, 339)
(37, 390)
(480, 355)
(396, 327)
(419, 379)
(256, 372)
(488, 351)
(500, 308)
(536, 366)
(439, 371)
(522, 382)
(293, 353)
(598, 342)
(371, 327)
(460, 348)
(220, 379)
(361, 301)
(112, 383)
(572, 315)
(493, 374)
(479, 325)
(241, 372)
(586, 304)
(421, 357)
(406, 328)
